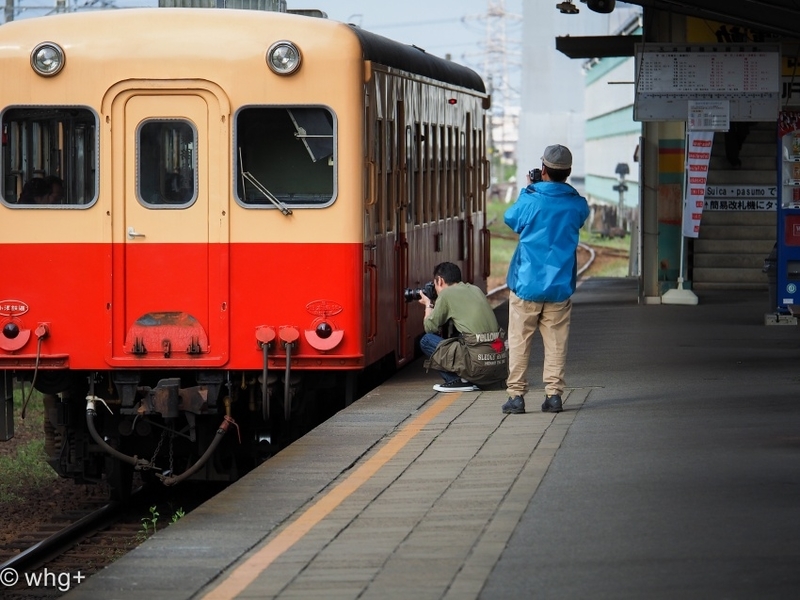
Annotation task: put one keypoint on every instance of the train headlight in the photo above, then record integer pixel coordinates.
(283, 58)
(47, 59)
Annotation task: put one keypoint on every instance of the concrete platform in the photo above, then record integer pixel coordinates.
(674, 472)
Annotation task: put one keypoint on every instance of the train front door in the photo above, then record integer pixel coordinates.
(169, 263)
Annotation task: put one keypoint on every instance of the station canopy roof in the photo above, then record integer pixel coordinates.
(777, 17)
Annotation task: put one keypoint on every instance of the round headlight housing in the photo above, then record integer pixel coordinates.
(324, 330)
(283, 58)
(47, 59)
(11, 330)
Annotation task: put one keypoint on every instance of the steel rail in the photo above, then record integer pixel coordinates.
(63, 540)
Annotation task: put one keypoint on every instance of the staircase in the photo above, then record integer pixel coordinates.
(730, 252)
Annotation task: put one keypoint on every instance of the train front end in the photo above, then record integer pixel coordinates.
(201, 270)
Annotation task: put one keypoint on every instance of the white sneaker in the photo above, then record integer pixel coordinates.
(456, 386)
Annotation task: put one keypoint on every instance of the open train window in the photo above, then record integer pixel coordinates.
(167, 163)
(49, 157)
(285, 156)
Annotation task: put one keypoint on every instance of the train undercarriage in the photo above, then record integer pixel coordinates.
(201, 425)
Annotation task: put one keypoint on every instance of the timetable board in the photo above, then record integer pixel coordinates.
(669, 76)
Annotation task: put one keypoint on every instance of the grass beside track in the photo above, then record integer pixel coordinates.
(26, 467)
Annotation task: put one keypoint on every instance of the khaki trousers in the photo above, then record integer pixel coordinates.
(552, 321)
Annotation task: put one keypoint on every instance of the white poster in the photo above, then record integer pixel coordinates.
(698, 155)
(709, 115)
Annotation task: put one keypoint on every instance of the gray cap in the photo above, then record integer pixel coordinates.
(557, 157)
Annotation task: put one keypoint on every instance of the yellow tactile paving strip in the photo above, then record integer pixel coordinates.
(427, 514)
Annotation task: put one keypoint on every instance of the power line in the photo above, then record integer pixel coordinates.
(497, 65)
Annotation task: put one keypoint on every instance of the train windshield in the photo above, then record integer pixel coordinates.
(286, 153)
(49, 157)
(166, 163)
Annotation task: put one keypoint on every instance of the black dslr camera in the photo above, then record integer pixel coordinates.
(411, 295)
(535, 175)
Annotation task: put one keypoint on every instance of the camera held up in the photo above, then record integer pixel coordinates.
(412, 295)
(535, 175)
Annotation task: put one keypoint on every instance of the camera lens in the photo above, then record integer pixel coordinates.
(410, 295)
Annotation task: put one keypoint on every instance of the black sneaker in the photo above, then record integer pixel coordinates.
(456, 386)
(514, 406)
(552, 404)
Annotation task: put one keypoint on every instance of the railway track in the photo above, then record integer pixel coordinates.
(63, 552)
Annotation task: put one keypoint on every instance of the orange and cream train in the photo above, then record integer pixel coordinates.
(243, 198)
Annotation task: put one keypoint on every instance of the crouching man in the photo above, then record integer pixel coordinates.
(475, 354)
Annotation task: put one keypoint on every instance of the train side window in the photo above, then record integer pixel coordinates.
(419, 169)
(423, 193)
(444, 210)
(391, 176)
(461, 166)
(285, 155)
(380, 159)
(412, 214)
(434, 174)
(167, 163)
(53, 147)
(452, 190)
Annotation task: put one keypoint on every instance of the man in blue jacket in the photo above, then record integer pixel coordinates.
(542, 276)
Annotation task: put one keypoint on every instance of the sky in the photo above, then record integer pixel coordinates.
(440, 27)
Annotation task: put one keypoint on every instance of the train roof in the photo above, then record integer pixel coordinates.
(150, 27)
(415, 60)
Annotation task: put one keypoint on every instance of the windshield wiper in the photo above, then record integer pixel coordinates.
(261, 188)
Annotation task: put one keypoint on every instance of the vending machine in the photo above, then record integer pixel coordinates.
(787, 264)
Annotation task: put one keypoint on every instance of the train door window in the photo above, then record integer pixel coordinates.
(285, 156)
(49, 157)
(167, 163)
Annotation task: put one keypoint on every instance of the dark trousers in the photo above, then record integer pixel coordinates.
(428, 344)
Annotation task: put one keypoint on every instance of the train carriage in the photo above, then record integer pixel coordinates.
(246, 195)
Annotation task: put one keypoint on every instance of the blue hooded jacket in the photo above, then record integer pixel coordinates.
(547, 216)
